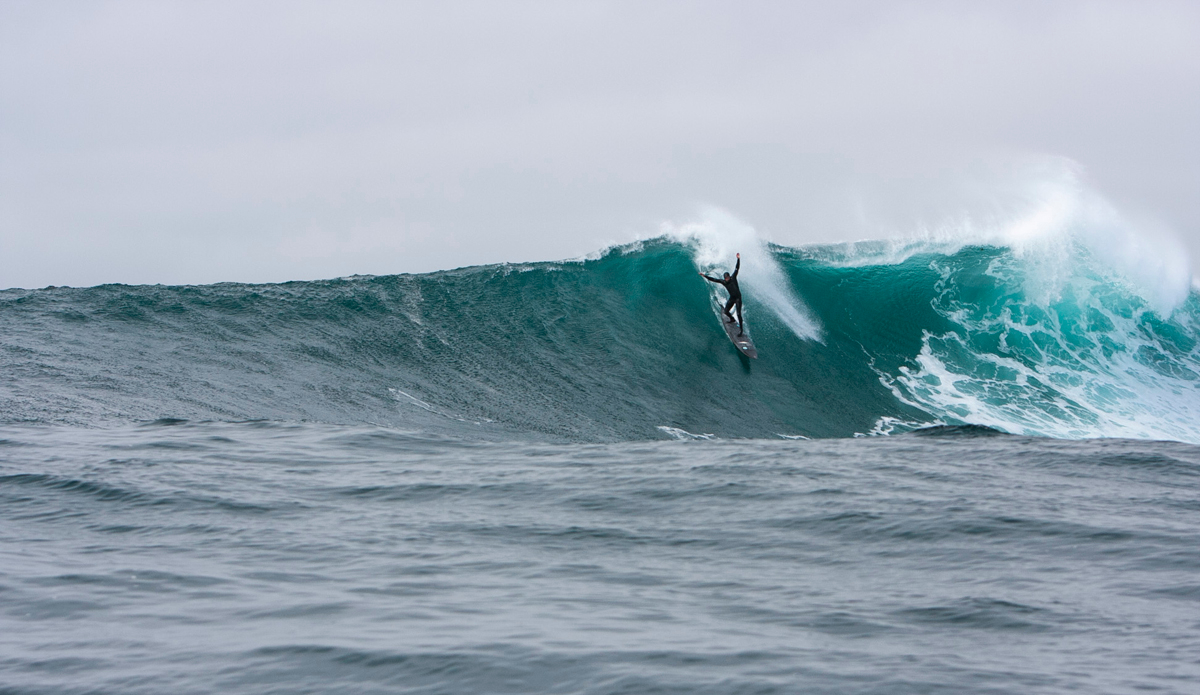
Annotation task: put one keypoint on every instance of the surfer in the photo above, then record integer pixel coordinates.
(735, 294)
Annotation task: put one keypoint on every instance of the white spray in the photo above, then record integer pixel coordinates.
(1152, 261)
(718, 237)
(1046, 215)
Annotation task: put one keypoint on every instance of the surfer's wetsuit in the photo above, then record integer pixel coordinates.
(735, 294)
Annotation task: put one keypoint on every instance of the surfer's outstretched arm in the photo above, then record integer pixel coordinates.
(711, 279)
(737, 267)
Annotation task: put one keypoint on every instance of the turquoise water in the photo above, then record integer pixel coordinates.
(615, 348)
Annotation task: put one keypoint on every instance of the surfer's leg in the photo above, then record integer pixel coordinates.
(728, 307)
(741, 327)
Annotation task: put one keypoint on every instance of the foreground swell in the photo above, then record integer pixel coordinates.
(258, 557)
(623, 347)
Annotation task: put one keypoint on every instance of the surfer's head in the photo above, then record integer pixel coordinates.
(726, 276)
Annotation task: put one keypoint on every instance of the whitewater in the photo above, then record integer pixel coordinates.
(963, 463)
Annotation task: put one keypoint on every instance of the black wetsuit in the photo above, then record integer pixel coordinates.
(735, 294)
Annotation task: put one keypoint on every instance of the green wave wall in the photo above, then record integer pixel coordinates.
(625, 346)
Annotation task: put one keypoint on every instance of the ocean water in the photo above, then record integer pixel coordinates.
(952, 470)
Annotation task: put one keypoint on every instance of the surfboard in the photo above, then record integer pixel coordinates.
(743, 342)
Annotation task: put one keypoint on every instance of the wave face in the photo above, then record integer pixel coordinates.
(625, 346)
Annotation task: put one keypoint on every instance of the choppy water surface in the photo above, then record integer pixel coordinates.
(258, 557)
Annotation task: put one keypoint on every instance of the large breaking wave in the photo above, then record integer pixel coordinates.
(867, 338)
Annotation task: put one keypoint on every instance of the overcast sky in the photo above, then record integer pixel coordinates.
(256, 141)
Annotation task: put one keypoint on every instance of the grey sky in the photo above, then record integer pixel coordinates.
(257, 141)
